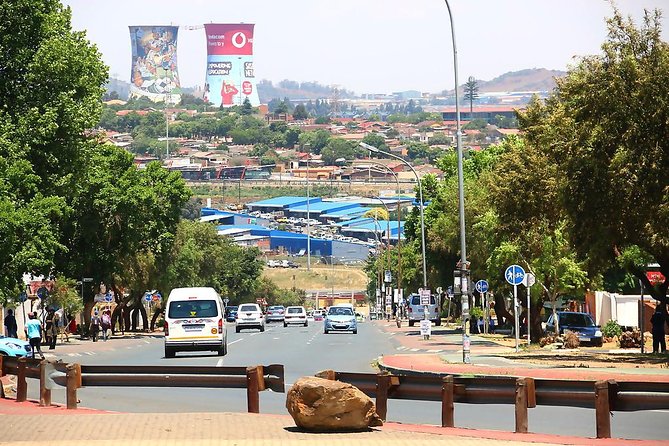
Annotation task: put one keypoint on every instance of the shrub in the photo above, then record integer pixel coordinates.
(571, 340)
(612, 329)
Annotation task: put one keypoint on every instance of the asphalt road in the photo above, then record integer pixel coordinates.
(305, 351)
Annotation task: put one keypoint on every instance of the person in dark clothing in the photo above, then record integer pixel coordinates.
(10, 325)
(658, 319)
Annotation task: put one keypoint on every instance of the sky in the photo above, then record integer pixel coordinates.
(369, 46)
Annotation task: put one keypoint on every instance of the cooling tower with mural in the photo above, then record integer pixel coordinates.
(230, 79)
(154, 63)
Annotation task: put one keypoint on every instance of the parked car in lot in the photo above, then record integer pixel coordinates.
(250, 316)
(295, 315)
(275, 313)
(579, 323)
(14, 347)
(231, 313)
(340, 319)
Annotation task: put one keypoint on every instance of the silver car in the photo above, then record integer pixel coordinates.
(417, 311)
(340, 319)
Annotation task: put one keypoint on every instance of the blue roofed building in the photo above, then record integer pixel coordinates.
(320, 210)
(281, 203)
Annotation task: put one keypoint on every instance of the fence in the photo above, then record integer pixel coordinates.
(523, 393)
(74, 376)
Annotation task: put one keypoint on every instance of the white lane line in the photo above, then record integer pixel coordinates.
(147, 342)
(219, 363)
(236, 340)
(74, 354)
(89, 353)
(415, 349)
(434, 351)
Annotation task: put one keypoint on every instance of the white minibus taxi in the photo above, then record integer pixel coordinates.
(195, 321)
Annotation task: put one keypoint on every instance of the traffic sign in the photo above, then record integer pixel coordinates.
(529, 280)
(23, 296)
(514, 274)
(108, 297)
(482, 286)
(147, 297)
(424, 296)
(226, 300)
(387, 277)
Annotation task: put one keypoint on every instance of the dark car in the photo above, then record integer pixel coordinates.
(230, 313)
(579, 323)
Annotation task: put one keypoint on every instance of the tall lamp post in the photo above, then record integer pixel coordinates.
(420, 195)
(306, 146)
(461, 203)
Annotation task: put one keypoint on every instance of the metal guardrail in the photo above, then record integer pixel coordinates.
(73, 376)
(523, 393)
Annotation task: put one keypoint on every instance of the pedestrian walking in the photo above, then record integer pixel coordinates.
(106, 323)
(34, 334)
(71, 326)
(10, 325)
(658, 320)
(53, 334)
(49, 329)
(480, 324)
(95, 326)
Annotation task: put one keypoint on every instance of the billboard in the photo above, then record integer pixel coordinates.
(230, 78)
(154, 63)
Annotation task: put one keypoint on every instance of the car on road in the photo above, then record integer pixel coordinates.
(579, 323)
(340, 319)
(14, 347)
(295, 315)
(231, 313)
(250, 316)
(194, 321)
(275, 313)
(318, 315)
(416, 311)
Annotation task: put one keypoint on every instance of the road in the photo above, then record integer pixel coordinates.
(305, 351)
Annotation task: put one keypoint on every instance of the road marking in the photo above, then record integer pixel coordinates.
(276, 339)
(219, 363)
(146, 342)
(434, 351)
(74, 354)
(236, 340)
(415, 349)
(89, 353)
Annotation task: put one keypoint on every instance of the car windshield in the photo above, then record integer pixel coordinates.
(293, 310)
(275, 308)
(230, 309)
(248, 308)
(340, 311)
(192, 308)
(576, 320)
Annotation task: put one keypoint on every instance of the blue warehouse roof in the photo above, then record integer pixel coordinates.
(283, 202)
(354, 211)
(324, 207)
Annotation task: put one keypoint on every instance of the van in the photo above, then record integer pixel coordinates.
(417, 311)
(194, 321)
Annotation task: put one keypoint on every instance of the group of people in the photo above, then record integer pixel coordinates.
(100, 323)
(55, 324)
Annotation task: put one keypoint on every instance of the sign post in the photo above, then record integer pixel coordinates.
(514, 275)
(482, 287)
(529, 281)
(425, 302)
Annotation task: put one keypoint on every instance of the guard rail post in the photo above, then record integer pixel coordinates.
(382, 388)
(521, 405)
(21, 383)
(73, 382)
(447, 419)
(252, 389)
(44, 392)
(602, 409)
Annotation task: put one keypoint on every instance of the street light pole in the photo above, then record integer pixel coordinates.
(308, 216)
(420, 195)
(461, 199)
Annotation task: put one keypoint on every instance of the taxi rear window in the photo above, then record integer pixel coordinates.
(192, 308)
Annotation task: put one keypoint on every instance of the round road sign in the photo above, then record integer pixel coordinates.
(514, 274)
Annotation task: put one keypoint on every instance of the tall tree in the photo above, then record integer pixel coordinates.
(471, 93)
(606, 128)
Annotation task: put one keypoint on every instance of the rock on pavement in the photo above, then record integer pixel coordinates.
(322, 405)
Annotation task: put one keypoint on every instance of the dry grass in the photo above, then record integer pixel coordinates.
(320, 277)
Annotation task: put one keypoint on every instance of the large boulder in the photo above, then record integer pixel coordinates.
(322, 405)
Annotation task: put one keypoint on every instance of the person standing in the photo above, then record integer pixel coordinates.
(53, 334)
(10, 325)
(658, 319)
(106, 323)
(95, 326)
(34, 334)
(49, 328)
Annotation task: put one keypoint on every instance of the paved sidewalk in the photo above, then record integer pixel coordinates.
(26, 423)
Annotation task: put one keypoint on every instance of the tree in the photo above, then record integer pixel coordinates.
(605, 128)
(471, 93)
(300, 112)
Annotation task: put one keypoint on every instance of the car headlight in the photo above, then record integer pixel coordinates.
(598, 334)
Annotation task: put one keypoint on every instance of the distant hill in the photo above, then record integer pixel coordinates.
(533, 79)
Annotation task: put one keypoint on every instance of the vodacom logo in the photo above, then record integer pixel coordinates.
(239, 39)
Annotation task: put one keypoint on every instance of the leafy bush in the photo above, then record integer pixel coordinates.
(611, 329)
(476, 312)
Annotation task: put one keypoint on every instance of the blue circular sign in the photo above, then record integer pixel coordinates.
(23, 297)
(108, 297)
(147, 297)
(514, 274)
(482, 286)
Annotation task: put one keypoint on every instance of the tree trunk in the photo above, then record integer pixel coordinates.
(503, 315)
(156, 314)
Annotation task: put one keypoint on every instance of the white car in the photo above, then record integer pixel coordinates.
(295, 315)
(250, 316)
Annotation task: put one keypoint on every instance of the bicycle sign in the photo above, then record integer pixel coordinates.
(482, 286)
